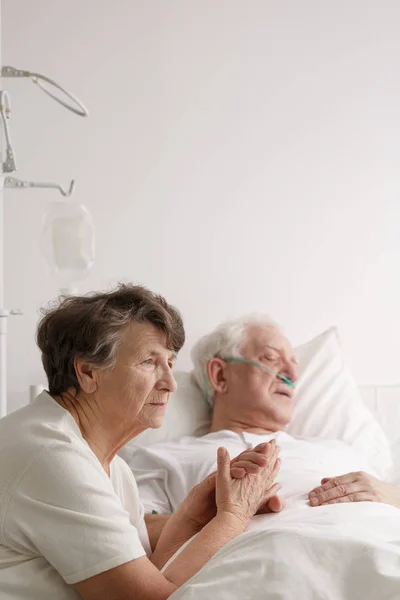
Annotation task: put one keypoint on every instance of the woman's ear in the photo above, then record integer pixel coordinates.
(86, 376)
(216, 375)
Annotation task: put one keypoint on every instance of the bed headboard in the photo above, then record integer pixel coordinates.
(384, 402)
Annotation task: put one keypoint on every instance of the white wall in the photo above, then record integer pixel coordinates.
(240, 155)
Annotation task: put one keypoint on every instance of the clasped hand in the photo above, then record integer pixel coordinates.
(244, 486)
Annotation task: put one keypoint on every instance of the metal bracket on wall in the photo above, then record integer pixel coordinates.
(13, 182)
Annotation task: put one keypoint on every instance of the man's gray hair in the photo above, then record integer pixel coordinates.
(226, 340)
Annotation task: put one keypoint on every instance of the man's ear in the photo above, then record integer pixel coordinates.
(216, 375)
(86, 376)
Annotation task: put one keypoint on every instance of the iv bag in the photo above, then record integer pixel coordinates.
(68, 241)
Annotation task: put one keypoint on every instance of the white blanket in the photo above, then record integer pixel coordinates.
(335, 552)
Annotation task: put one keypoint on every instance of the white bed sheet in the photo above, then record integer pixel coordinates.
(316, 554)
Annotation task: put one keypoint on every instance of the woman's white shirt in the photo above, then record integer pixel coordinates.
(62, 519)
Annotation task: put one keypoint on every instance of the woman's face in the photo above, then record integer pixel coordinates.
(136, 391)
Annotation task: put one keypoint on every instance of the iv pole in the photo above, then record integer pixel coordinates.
(8, 165)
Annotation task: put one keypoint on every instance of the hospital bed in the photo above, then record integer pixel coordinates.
(295, 557)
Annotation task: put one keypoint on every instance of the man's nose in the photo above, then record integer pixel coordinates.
(291, 371)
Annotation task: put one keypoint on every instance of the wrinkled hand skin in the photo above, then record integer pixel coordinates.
(245, 496)
(354, 487)
(250, 461)
(200, 506)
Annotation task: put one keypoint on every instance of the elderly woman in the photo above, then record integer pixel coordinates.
(72, 525)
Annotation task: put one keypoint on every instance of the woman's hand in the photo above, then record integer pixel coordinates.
(243, 497)
(251, 461)
(199, 505)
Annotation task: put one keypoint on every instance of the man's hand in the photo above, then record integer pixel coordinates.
(272, 503)
(354, 487)
(251, 461)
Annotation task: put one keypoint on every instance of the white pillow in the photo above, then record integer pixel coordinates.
(327, 405)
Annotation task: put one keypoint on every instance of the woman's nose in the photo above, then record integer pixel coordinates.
(173, 385)
(167, 381)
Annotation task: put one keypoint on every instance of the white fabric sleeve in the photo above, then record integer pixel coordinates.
(125, 485)
(65, 509)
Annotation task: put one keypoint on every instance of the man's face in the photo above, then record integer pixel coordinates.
(258, 391)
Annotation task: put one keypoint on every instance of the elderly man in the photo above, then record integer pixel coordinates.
(248, 370)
